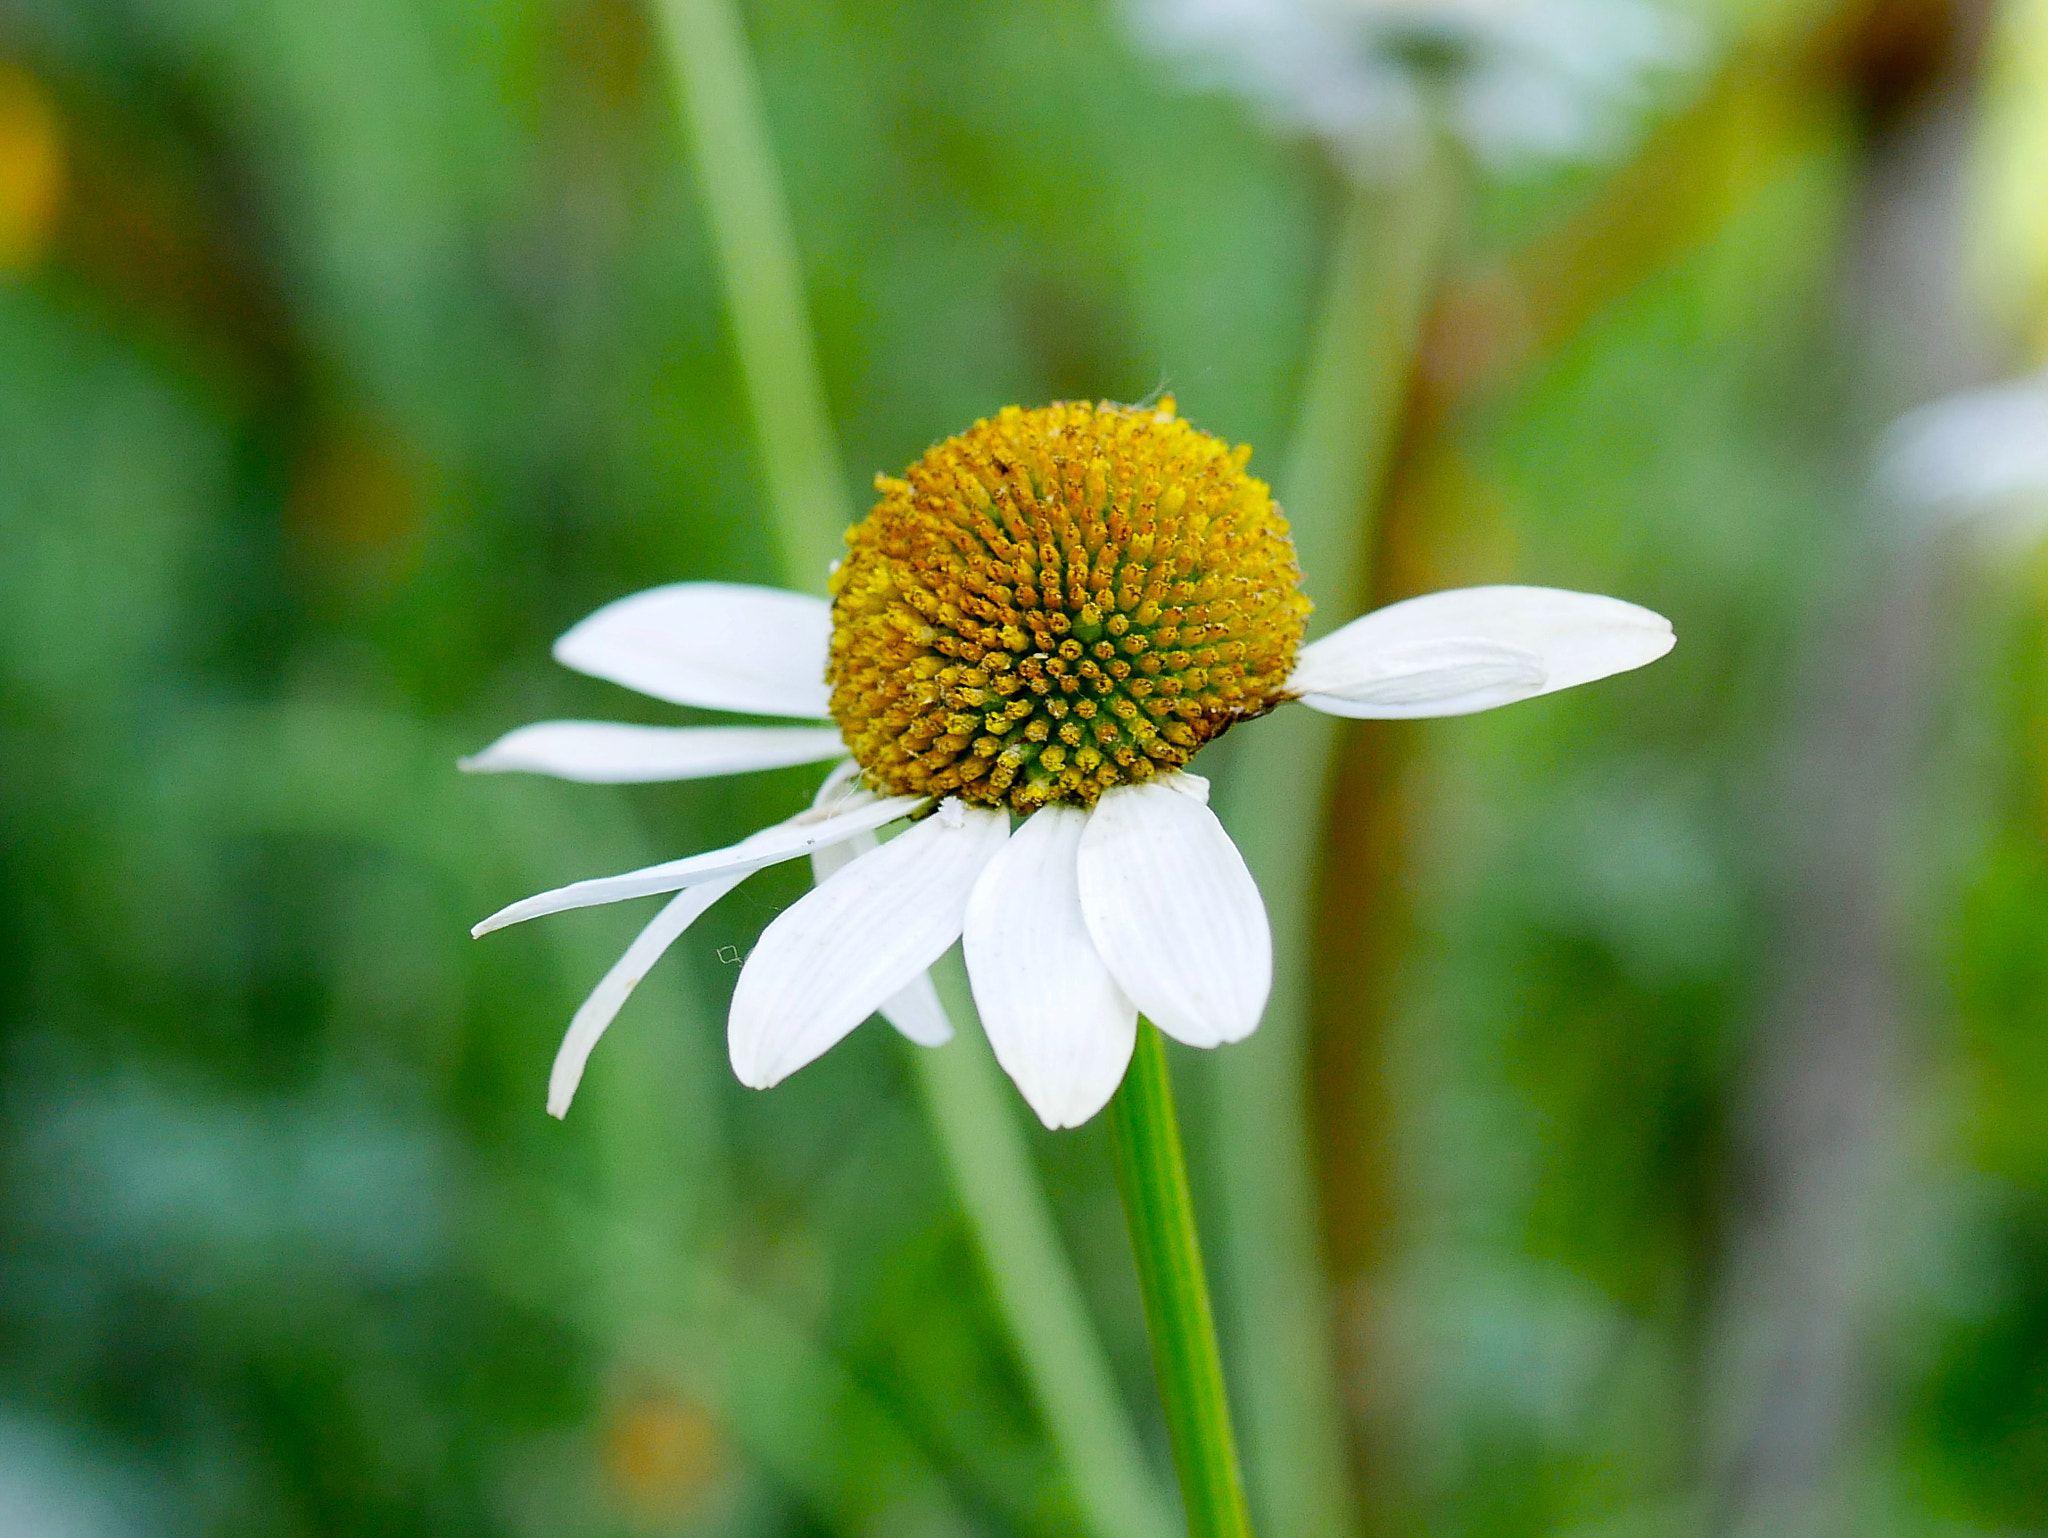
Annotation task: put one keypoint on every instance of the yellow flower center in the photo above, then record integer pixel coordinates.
(1057, 601)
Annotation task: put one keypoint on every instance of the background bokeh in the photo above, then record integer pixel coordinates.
(1678, 1068)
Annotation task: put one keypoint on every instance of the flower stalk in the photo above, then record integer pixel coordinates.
(969, 1102)
(969, 1111)
(1151, 1172)
(757, 263)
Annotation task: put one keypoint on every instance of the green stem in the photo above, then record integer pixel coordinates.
(1388, 250)
(1152, 1173)
(973, 1118)
(750, 230)
(975, 1111)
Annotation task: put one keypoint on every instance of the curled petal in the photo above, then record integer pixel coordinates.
(783, 841)
(1175, 913)
(721, 645)
(615, 753)
(829, 961)
(1449, 654)
(610, 995)
(1059, 1024)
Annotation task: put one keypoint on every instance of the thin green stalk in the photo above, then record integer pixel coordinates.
(750, 231)
(1387, 253)
(1151, 1171)
(973, 1117)
(974, 1108)
(1389, 246)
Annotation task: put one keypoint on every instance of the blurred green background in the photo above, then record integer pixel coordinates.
(350, 352)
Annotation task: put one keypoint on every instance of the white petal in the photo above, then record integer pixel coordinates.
(610, 995)
(1452, 677)
(613, 753)
(916, 1011)
(841, 785)
(834, 858)
(783, 841)
(1059, 1024)
(717, 644)
(1449, 654)
(1175, 913)
(841, 789)
(830, 960)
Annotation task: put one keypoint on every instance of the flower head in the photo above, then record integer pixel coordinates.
(1057, 602)
(1044, 619)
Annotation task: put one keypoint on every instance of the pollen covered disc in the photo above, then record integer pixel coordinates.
(1058, 601)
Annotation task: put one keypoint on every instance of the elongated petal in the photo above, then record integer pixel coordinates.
(834, 858)
(772, 845)
(917, 1013)
(1175, 913)
(717, 644)
(1449, 654)
(614, 753)
(610, 995)
(1059, 1024)
(830, 960)
(1451, 677)
(915, 1010)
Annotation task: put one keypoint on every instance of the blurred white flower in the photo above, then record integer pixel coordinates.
(1045, 620)
(1978, 457)
(1516, 81)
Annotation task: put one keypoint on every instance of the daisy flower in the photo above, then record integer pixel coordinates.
(1514, 80)
(1030, 637)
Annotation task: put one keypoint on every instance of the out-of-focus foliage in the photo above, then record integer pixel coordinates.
(349, 352)
(1572, 1033)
